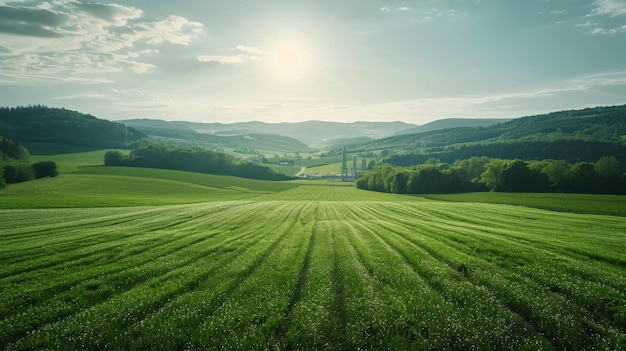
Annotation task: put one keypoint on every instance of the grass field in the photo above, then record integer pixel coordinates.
(579, 203)
(323, 170)
(157, 259)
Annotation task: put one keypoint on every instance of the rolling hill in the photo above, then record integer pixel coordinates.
(199, 134)
(311, 133)
(40, 124)
(448, 123)
(576, 135)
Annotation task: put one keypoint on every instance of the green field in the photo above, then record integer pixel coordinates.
(334, 168)
(579, 203)
(156, 259)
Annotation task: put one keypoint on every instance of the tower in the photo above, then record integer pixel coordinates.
(344, 165)
(354, 170)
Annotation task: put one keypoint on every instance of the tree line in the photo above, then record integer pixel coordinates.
(570, 150)
(15, 166)
(44, 124)
(603, 176)
(191, 159)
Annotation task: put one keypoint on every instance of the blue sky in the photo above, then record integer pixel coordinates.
(288, 61)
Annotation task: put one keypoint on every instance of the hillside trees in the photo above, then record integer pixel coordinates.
(60, 126)
(191, 159)
(14, 165)
(11, 149)
(483, 174)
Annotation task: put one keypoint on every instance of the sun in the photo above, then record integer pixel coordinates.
(290, 61)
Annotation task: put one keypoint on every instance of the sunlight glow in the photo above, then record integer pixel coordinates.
(290, 61)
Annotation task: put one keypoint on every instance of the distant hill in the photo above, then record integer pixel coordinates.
(40, 124)
(197, 134)
(573, 134)
(311, 133)
(448, 123)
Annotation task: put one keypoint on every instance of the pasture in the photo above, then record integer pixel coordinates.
(298, 265)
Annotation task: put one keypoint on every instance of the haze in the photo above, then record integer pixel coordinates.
(288, 61)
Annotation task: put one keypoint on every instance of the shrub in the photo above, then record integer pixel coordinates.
(18, 172)
(45, 169)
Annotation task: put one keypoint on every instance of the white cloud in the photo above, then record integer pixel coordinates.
(113, 14)
(393, 9)
(82, 96)
(224, 60)
(610, 7)
(62, 39)
(174, 30)
(251, 50)
(250, 53)
(514, 102)
(587, 23)
(600, 30)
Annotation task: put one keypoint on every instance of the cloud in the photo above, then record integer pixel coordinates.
(610, 7)
(114, 14)
(249, 53)
(587, 23)
(83, 96)
(68, 38)
(571, 91)
(224, 60)
(600, 30)
(393, 9)
(251, 50)
(173, 30)
(32, 22)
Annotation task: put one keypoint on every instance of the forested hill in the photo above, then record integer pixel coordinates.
(43, 124)
(311, 133)
(448, 123)
(553, 135)
(192, 134)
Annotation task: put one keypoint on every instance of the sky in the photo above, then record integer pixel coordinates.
(296, 60)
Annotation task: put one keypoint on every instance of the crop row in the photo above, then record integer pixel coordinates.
(305, 274)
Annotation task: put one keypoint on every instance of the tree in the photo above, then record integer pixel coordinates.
(430, 180)
(18, 172)
(610, 178)
(3, 182)
(114, 158)
(518, 177)
(474, 166)
(492, 176)
(558, 175)
(45, 169)
(399, 182)
(607, 166)
(11, 149)
(583, 177)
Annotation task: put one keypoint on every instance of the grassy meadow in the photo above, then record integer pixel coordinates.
(120, 258)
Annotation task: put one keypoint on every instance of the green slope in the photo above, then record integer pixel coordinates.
(183, 133)
(597, 128)
(99, 186)
(312, 268)
(40, 124)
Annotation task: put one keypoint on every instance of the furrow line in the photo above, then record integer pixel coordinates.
(222, 286)
(297, 291)
(170, 269)
(87, 243)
